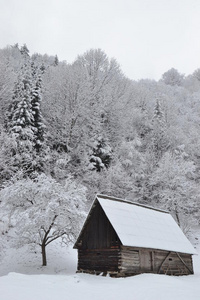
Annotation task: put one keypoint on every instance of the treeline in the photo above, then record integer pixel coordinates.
(84, 128)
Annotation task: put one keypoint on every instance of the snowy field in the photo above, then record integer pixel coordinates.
(22, 278)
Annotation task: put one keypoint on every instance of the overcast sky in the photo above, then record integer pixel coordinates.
(147, 37)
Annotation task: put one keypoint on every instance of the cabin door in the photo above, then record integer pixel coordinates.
(146, 261)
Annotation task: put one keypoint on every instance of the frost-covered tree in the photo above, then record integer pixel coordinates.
(24, 51)
(173, 186)
(56, 61)
(134, 165)
(42, 210)
(101, 155)
(173, 77)
(20, 121)
(159, 142)
(38, 120)
(24, 118)
(7, 80)
(196, 74)
(8, 149)
(103, 86)
(79, 104)
(20, 117)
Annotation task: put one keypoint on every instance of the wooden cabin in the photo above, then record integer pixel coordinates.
(122, 238)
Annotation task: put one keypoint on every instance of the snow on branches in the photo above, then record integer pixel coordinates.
(42, 210)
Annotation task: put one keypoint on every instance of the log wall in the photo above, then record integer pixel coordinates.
(127, 261)
(98, 260)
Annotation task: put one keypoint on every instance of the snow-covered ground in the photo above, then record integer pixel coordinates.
(23, 278)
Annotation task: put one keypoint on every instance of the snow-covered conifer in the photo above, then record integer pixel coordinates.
(38, 121)
(25, 121)
(101, 155)
(24, 50)
(20, 116)
(56, 61)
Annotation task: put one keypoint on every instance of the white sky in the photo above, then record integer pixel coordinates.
(147, 37)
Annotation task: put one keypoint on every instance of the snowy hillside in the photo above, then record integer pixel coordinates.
(71, 130)
(27, 280)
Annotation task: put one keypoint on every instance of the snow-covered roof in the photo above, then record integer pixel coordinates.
(143, 226)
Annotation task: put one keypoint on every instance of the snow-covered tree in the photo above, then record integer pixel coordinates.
(173, 185)
(24, 51)
(42, 210)
(20, 121)
(20, 117)
(56, 61)
(173, 77)
(38, 120)
(196, 74)
(8, 149)
(7, 80)
(159, 141)
(101, 155)
(24, 118)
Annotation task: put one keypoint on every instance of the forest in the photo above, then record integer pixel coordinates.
(71, 130)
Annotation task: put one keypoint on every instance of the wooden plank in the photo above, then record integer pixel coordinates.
(163, 262)
(129, 261)
(124, 263)
(184, 263)
(153, 261)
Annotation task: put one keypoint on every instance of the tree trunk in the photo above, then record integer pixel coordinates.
(177, 215)
(44, 258)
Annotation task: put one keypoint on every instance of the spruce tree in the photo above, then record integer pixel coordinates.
(25, 121)
(56, 61)
(20, 117)
(39, 126)
(24, 51)
(101, 155)
(21, 120)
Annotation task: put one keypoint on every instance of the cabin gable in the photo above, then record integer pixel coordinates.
(97, 232)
